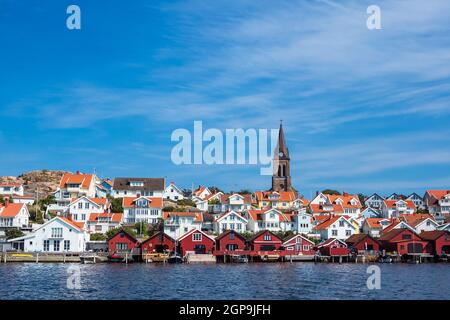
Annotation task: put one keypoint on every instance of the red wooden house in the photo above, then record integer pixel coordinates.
(195, 241)
(158, 243)
(362, 242)
(122, 242)
(265, 241)
(404, 241)
(439, 240)
(230, 240)
(333, 247)
(298, 245)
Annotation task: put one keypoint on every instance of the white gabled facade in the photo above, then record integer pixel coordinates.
(338, 227)
(9, 189)
(418, 201)
(81, 208)
(14, 215)
(57, 235)
(178, 223)
(271, 219)
(172, 192)
(303, 222)
(427, 224)
(375, 201)
(142, 209)
(395, 208)
(230, 221)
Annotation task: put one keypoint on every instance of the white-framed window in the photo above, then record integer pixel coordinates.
(267, 237)
(66, 245)
(348, 232)
(197, 237)
(56, 245)
(57, 232)
(46, 245)
(334, 232)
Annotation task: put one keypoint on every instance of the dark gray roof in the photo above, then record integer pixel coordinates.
(150, 184)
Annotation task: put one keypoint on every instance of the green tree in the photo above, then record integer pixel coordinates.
(214, 189)
(362, 198)
(214, 201)
(116, 204)
(2, 200)
(98, 237)
(186, 202)
(111, 233)
(13, 233)
(331, 191)
(36, 215)
(245, 191)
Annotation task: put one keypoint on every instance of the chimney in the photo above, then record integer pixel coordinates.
(6, 202)
(345, 194)
(317, 193)
(78, 172)
(138, 195)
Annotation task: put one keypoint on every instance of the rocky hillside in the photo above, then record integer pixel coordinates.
(45, 181)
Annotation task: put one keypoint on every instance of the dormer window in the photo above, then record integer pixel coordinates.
(136, 184)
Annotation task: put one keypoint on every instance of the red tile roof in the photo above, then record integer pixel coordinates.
(286, 196)
(197, 215)
(11, 210)
(393, 203)
(155, 202)
(83, 179)
(114, 217)
(77, 225)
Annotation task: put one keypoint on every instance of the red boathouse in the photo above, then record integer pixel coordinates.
(439, 240)
(333, 247)
(363, 243)
(265, 240)
(122, 242)
(404, 241)
(195, 241)
(158, 243)
(298, 245)
(230, 240)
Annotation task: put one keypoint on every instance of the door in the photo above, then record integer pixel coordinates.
(200, 249)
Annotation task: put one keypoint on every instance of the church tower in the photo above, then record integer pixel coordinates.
(281, 179)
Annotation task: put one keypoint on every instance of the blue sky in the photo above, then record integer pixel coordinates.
(363, 110)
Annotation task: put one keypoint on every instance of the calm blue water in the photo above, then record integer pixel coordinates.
(238, 281)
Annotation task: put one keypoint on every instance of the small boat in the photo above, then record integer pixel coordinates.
(155, 257)
(120, 258)
(270, 257)
(239, 259)
(175, 258)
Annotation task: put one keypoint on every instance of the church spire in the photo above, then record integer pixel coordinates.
(282, 150)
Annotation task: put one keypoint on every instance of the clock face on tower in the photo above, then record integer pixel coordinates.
(280, 154)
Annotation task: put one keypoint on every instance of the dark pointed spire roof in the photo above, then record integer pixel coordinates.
(281, 145)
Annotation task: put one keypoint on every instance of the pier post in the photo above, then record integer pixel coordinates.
(37, 257)
(126, 258)
(64, 257)
(340, 259)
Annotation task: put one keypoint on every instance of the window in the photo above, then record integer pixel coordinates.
(80, 205)
(98, 228)
(75, 217)
(232, 236)
(46, 245)
(334, 233)
(197, 237)
(86, 205)
(239, 226)
(232, 226)
(348, 232)
(57, 232)
(232, 217)
(83, 217)
(121, 246)
(66, 245)
(267, 237)
(406, 237)
(305, 248)
(56, 245)
(341, 223)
